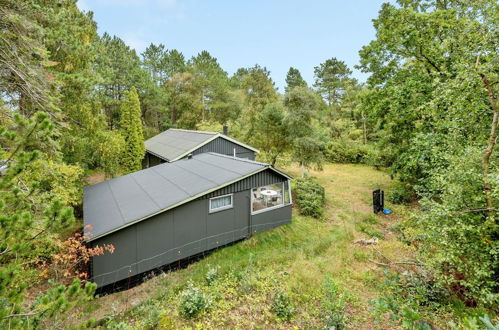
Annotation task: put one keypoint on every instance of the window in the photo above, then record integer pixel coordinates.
(270, 196)
(287, 193)
(220, 203)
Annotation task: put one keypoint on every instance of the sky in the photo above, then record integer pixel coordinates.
(276, 34)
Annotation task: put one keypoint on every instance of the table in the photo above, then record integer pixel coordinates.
(267, 194)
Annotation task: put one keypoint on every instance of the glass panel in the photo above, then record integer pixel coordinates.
(286, 192)
(267, 196)
(224, 201)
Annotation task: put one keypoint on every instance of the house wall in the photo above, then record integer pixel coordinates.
(170, 236)
(219, 145)
(185, 231)
(151, 160)
(271, 219)
(225, 147)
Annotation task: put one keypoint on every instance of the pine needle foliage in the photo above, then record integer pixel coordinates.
(131, 129)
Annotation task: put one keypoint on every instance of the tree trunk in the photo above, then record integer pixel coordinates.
(486, 162)
(202, 110)
(487, 187)
(274, 159)
(364, 131)
(174, 116)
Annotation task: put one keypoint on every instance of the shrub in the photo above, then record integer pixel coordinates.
(193, 301)
(473, 323)
(281, 305)
(70, 259)
(309, 196)
(212, 275)
(333, 306)
(407, 296)
(400, 194)
(353, 153)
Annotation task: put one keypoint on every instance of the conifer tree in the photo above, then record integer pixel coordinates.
(131, 129)
(294, 79)
(331, 79)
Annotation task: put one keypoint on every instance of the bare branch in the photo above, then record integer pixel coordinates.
(410, 263)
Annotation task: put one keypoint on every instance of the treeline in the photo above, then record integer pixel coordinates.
(83, 77)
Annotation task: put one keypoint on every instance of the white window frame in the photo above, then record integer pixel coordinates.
(272, 207)
(222, 208)
(289, 193)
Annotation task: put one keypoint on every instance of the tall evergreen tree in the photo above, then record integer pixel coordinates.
(211, 80)
(24, 59)
(120, 69)
(331, 79)
(131, 129)
(184, 103)
(154, 96)
(154, 62)
(259, 90)
(294, 79)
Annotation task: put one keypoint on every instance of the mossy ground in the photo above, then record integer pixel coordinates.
(294, 259)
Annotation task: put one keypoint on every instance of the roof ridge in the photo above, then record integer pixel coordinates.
(191, 131)
(245, 160)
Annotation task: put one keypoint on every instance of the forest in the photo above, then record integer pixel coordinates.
(76, 105)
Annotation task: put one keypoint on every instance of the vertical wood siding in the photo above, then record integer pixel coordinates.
(224, 147)
(260, 179)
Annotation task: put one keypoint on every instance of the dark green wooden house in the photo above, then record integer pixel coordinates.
(174, 144)
(175, 210)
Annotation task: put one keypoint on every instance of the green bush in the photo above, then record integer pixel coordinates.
(333, 306)
(400, 194)
(193, 301)
(477, 323)
(212, 275)
(352, 153)
(309, 196)
(407, 299)
(281, 305)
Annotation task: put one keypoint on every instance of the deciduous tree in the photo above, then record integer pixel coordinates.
(271, 133)
(303, 107)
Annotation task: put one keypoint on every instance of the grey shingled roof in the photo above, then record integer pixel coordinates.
(120, 202)
(174, 144)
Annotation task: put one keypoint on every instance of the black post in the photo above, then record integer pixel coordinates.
(382, 200)
(378, 200)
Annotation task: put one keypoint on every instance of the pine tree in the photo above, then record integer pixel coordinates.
(131, 129)
(294, 79)
(331, 79)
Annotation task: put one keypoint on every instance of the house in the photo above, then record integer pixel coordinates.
(175, 144)
(175, 210)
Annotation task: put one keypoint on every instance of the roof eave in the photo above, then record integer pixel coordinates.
(238, 142)
(155, 154)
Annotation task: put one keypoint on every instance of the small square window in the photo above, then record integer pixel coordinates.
(220, 203)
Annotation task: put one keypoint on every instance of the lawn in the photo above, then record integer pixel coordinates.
(282, 271)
